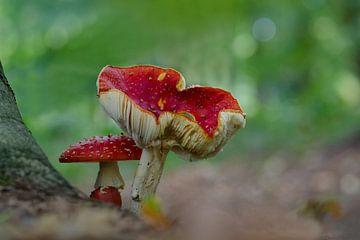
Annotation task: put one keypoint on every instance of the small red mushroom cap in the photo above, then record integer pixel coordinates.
(102, 148)
(107, 194)
(153, 106)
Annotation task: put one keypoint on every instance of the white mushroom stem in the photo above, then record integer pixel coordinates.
(147, 175)
(109, 175)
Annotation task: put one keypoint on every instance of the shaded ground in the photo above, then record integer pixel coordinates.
(206, 202)
(28, 217)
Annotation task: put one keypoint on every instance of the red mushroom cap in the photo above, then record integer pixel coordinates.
(152, 105)
(107, 194)
(102, 148)
(158, 90)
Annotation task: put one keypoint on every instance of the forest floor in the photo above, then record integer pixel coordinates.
(232, 201)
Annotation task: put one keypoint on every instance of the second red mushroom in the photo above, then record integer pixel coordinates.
(106, 150)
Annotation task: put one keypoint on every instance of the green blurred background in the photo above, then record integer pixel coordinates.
(293, 65)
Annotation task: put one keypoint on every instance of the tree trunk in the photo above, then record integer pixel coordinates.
(22, 162)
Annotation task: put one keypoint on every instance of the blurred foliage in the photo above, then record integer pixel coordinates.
(4, 180)
(152, 212)
(293, 65)
(319, 209)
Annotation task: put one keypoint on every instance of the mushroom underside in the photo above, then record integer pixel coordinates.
(158, 136)
(170, 130)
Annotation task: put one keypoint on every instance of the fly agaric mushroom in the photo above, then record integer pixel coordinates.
(152, 105)
(106, 150)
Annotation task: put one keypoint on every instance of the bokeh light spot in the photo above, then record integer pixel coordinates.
(246, 92)
(264, 29)
(350, 184)
(56, 37)
(9, 38)
(324, 28)
(244, 46)
(324, 181)
(348, 88)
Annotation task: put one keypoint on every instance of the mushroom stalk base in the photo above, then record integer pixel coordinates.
(147, 175)
(109, 175)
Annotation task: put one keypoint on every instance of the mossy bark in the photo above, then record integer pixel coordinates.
(22, 162)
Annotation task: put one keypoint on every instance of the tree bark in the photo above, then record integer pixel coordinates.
(22, 162)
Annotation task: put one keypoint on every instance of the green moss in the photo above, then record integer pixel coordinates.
(4, 180)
